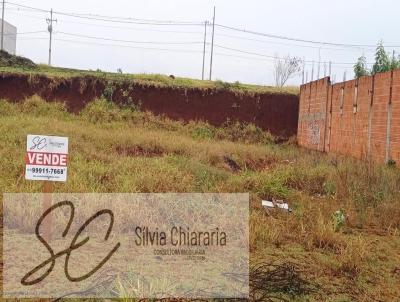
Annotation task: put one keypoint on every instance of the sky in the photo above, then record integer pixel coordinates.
(178, 49)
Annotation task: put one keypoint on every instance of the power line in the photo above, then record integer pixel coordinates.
(272, 57)
(128, 46)
(109, 18)
(127, 21)
(112, 19)
(151, 22)
(298, 39)
(290, 44)
(183, 23)
(166, 49)
(29, 7)
(187, 32)
(131, 28)
(105, 26)
(27, 33)
(26, 16)
(261, 57)
(126, 41)
(21, 9)
(146, 48)
(61, 21)
(140, 29)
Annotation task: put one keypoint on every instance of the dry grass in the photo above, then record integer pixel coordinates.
(155, 80)
(122, 150)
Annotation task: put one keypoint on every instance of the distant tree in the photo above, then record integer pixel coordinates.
(382, 60)
(395, 63)
(285, 68)
(361, 69)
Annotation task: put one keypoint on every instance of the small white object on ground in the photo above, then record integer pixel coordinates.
(283, 206)
(280, 204)
(267, 203)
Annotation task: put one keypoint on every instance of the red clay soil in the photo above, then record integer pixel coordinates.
(277, 113)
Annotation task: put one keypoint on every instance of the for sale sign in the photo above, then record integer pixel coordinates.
(46, 158)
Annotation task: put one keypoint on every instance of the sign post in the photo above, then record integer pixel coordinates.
(46, 159)
(47, 202)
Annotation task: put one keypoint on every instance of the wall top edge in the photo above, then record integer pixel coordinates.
(361, 79)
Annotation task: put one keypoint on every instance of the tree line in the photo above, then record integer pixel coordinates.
(383, 62)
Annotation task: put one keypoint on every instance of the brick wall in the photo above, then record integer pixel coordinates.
(359, 118)
(312, 114)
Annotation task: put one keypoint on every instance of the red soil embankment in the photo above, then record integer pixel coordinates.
(277, 113)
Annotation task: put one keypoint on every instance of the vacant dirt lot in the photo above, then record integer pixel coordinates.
(124, 150)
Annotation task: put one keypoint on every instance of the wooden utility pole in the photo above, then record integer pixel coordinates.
(50, 29)
(204, 48)
(212, 45)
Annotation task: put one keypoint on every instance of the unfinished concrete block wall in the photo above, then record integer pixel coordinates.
(359, 118)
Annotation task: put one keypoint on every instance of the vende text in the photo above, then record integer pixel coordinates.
(46, 159)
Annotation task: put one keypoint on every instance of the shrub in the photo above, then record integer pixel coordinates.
(7, 59)
(272, 186)
(222, 85)
(102, 111)
(201, 130)
(35, 105)
(247, 133)
(109, 91)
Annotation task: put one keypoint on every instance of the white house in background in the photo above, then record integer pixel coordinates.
(10, 37)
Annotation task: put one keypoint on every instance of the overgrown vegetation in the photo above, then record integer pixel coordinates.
(343, 231)
(383, 62)
(156, 80)
(8, 60)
